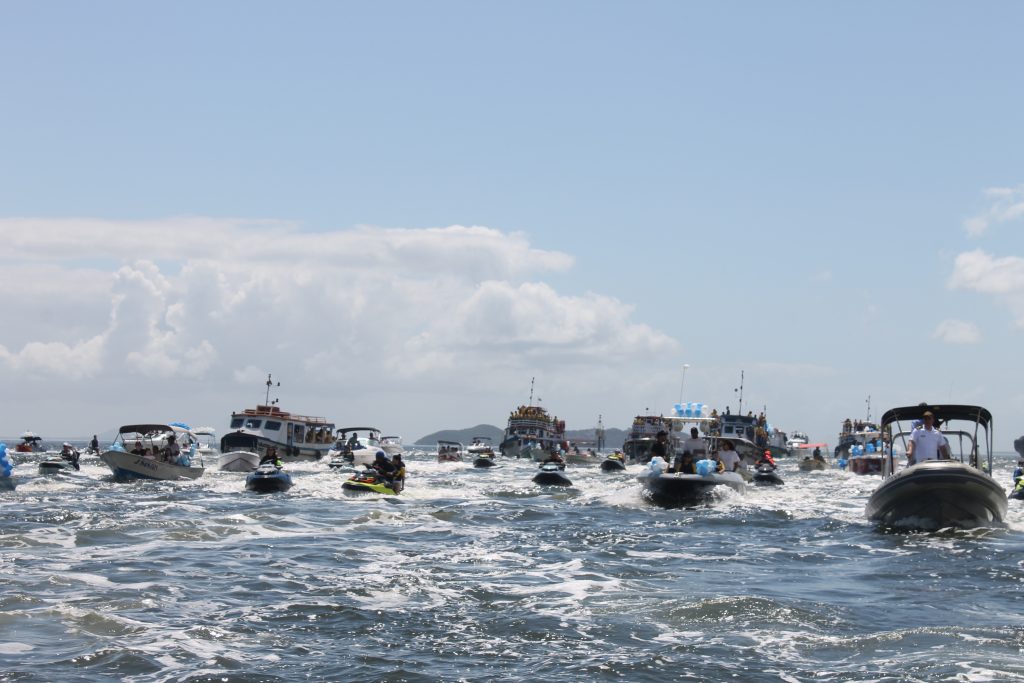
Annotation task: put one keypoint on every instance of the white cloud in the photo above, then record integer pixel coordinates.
(957, 332)
(229, 300)
(1007, 204)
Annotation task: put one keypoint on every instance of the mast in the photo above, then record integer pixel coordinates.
(531, 391)
(868, 418)
(600, 433)
(740, 390)
(270, 383)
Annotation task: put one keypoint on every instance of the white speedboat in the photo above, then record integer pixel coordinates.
(936, 494)
(392, 445)
(450, 451)
(153, 451)
(358, 446)
(481, 445)
(238, 461)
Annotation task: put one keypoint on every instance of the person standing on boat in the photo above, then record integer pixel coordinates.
(172, 451)
(927, 442)
(660, 446)
(94, 444)
(729, 458)
(694, 446)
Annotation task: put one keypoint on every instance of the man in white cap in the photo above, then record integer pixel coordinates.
(927, 442)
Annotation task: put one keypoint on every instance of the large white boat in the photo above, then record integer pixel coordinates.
(355, 445)
(795, 441)
(392, 445)
(296, 437)
(154, 451)
(942, 493)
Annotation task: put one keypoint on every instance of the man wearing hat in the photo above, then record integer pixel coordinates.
(927, 442)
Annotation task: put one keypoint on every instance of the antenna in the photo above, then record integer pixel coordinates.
(270, 383)
(868, 418)
(531, 392)
(740, 390)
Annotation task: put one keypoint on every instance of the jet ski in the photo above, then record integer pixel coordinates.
(552, 474)
(485, 460)
(766, 474)
(268, 478)
(68, 460)
(616, 462)
(1018, 489)
(368, 481)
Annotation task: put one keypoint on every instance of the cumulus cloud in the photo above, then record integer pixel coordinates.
(232, 299)
(999, 277)
(1006, 204)
(957, 332)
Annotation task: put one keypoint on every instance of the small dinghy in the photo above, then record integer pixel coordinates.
(552, 474)
(268, 478)
(767, 475)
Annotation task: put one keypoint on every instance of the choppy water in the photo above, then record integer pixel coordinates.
(479, 575)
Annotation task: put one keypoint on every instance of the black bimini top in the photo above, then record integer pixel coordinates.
(943, 413)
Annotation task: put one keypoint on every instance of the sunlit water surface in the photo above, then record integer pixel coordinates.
(481, 575)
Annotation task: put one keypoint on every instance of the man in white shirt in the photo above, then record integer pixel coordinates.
(695, 444)
(926, 443)
(729, 458)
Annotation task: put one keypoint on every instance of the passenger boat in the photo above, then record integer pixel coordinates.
(532, 433)
(296, 437)
(936, 494)
(642, 435)
(141, 452)
(356, 446)
(861, 445)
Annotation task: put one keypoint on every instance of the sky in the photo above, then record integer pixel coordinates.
(407, 212)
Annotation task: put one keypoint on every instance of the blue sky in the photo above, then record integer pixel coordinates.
(827, 197)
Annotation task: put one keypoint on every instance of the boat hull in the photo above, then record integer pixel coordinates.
(357, 487)
(268, 480)
(812, 465)
(127, 466)
(683, 490)
(55, 467)
(865, 464)
(551, 478)
(484, 462)
(767, 477)
(938, 494)
(239, 461)
(613, 465)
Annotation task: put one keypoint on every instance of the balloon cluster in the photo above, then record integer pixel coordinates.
(6, 467)
(690, 410)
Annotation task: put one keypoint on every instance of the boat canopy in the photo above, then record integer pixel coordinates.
(346, 430)
(145, 429)
(942, 412)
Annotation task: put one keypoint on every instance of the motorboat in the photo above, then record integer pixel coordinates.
(449, 451)
(356, 446)
(30, 443)
(268, 478)
(392, 445)
(67, 461)
(940, 493)
(481, 445)
(587, 457)
(206, 443)
(672, 490)
(241, 460)
(795, 441)
(812, 464)
(616, 462)
(369, 481)
(293, 436)
(532, 432)
(767, 475)
(552, 474)
(153, 451)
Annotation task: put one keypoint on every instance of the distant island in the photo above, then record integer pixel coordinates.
(613, 438)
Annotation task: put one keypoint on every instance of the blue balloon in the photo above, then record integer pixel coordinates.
(870, 448)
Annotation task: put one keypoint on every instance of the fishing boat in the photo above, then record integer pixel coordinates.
(356, 446)
(673, 490)
(449, 451)
(268, 478)
(532, 433)
(153, 451)
(295, 437)
(940, 493)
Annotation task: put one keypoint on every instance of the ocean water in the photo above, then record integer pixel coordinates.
(480, 575)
